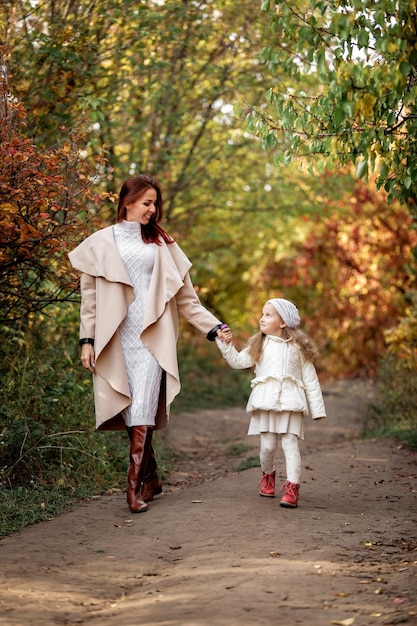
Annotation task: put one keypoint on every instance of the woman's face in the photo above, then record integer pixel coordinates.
(142, 209)
(271, 322)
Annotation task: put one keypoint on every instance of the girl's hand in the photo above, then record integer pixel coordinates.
(88, 357)
(225, 334)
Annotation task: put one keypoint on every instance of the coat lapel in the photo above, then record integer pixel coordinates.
(98, 256)
(171, 267)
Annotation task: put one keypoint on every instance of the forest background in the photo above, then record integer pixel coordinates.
(284, 135)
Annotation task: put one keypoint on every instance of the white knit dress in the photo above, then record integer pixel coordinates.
(143, 370)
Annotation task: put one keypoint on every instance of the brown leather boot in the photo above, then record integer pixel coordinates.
(152, 484)
(140, 443)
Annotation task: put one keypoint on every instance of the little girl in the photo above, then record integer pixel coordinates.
(284, 390)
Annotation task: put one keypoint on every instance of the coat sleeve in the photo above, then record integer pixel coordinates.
(236, 360)
(313, 390)
(88, 306)
(190, 307)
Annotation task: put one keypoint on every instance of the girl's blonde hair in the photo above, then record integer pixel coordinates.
(306, 345)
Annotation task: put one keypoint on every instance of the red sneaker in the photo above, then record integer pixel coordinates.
(267, 485)
(290, 497)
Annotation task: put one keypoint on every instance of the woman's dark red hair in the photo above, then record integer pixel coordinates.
(132, 189)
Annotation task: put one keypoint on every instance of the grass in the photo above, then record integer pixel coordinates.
(393, 413)
(20, 506)
(236, 449)
(251, 461)
(404, 435)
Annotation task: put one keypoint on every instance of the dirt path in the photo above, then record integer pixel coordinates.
(217, 554)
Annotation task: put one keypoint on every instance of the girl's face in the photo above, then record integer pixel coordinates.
(271, 322)
(142, 209)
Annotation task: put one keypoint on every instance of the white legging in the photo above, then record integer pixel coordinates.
(289, 444)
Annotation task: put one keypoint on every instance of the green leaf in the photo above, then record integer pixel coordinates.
(348, 108)
(362, 169)
(383, 170)
(404, 68)
(363, 38)
(270, 140)
(338, 117)
(413, 57)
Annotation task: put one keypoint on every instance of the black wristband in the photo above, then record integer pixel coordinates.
(212, 334)
(88, 340)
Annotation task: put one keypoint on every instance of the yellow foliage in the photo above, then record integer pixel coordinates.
(402, 339)
(366, 106)
(7, 207)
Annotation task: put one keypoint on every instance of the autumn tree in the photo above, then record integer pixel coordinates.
(44, 199)
(157, 83)
(350, 91)
(351, 276)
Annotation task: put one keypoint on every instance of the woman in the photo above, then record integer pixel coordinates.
(134, 281)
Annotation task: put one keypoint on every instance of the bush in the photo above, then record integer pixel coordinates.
(394, 412)
(50, 452)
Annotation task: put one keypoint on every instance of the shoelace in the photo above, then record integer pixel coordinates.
(267, 482)
(290, 489)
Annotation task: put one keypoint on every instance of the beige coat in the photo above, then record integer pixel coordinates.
(106, 292)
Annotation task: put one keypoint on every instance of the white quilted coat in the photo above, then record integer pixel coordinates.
(284, 379)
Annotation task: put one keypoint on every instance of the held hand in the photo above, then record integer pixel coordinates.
(88, 357)
(225, 334)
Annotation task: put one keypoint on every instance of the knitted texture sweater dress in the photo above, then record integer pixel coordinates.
(143, 370)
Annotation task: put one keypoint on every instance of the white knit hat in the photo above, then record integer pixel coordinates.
(287, 310)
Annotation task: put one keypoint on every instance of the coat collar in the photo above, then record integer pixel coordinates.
(98, 256)
(278, 339)
(170, 270)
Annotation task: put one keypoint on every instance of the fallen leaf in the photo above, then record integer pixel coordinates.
(196, 501)
(344, 622)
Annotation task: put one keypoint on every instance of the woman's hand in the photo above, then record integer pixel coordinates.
(88, 357)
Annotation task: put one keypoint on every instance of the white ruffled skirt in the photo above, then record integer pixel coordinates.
(276, 422)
